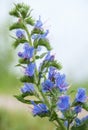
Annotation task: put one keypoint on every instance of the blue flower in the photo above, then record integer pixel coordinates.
(78, 121)
(63, 103)
(30, 70)
(84, 118)
(61, 83)
(40, 36)
(66, 123)
(38, 23)
(81, 95)
(28, 87)
(27, 53)
(78, 109)
(20, 33)
(39, 109)
(52, 72)
(47, 85)
(49, 57)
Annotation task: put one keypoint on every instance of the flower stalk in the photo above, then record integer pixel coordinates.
(42, 77)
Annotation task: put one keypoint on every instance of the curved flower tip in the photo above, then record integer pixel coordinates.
(49, 57)
(30, 70)
(81, 95)
(27, 53)
(40, 36)
(20, 33)
(61, 83)
(38, 23)
(77, 109)
(77, 121)
(47, 85)
(52, 73)
(28, 87)
(84, 118)
(64, 103)
(39, 109)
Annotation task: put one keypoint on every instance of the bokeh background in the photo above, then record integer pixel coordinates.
(67, 21)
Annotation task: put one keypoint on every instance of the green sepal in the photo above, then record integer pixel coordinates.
(17, 25)
(27, 79)
(30, 21)
(24, 61)
(44, 114)
(19, 41)
(21, 99)
(83, 126)
(37, 31)
(14, 12)
(42, 42)
(55, 64)
(45, 43)
(23, 9)
(47, 64)
(52, 116)
(85, 106)
(41, 56)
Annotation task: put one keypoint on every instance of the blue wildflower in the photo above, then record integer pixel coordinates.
(84, 118)
(28, 87)
(66, 123)
(20, 33)
(27, 53)
(38, 23)
(49, 57)
(47, 85)
(30, 70)
(78, 121)
(81, 95)
(39, 109)
(78, 109)
(52, 72)
(40, 36)
(61, 83)
(64, 103)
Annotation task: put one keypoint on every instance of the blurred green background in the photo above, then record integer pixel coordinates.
(13, 114)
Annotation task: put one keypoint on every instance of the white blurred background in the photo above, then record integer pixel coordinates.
(67, 21)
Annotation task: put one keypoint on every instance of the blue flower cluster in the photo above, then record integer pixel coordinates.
(27, 53)
(28, 88)
(40, 109)
(44, 81)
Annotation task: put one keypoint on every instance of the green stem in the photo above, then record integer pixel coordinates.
(45, 99)
(61, 124)
(29, 36)
(68, 126)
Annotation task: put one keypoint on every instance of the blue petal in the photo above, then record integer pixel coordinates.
(20, 33)
(28, 87)
(30, 70)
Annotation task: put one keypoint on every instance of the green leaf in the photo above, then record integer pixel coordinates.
(19, 41)
(17, 25)
(55, 64)
(45, 43)
(21, 99)
(14, 12)
(81, 127)
(37, 31)
(27, 79)
(42, 42)
(41, 56)
(47, 64)
(24, 61)
(85, 106)
(30, 21)
(23, 9)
